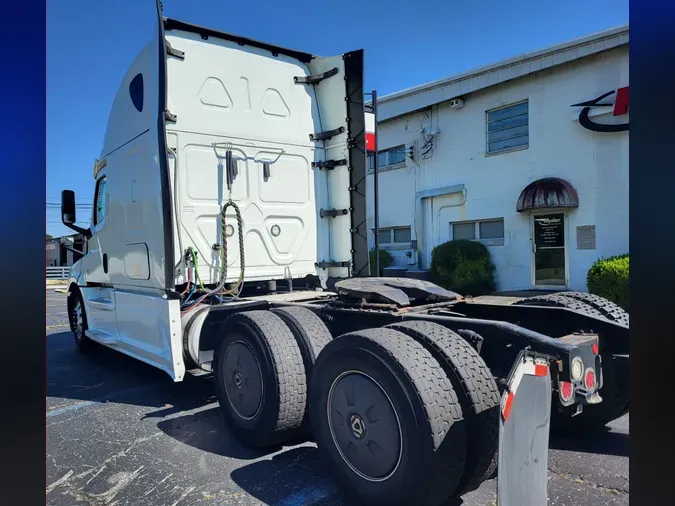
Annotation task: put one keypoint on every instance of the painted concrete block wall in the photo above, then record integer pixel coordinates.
(596, 164)
(396, 187)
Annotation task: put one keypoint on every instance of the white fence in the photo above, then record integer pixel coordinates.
(58, 272)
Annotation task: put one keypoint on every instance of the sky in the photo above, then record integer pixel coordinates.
(90, 45)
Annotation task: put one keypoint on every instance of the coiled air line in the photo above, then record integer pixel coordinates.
(231, 172)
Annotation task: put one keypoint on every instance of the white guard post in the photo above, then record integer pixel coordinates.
(524, 433)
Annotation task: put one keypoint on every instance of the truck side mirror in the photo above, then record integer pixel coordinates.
(68, 215)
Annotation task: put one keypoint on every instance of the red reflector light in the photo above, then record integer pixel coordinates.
(566, 391)
(540, 370)
(596, 349)
(589, 380)
(507, 406)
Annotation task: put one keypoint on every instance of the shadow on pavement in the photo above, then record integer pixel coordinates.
(282, 476)
(277, 475)
(292, 477)
(105, 375)
(603, 443)
(207, 431)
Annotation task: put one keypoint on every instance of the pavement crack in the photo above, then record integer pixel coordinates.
(63, 479)
(158, 484)
(120, 481)
(577, 478)
(184, 495)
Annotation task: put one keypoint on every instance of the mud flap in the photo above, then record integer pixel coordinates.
(524, 433)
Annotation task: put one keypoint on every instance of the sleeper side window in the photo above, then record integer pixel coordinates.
(136, 92)
(100, 201)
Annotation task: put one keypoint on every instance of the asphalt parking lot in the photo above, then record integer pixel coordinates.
(120, 432)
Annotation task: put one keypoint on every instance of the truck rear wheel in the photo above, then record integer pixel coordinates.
(312, 336)
(310, 332)
(557, 300)
(477, 392)
(614, 391)
(387, 420)
(607, 308)
(260, 378)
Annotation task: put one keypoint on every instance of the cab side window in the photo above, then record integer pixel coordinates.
(100, 201)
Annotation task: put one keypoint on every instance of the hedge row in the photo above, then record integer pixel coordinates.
(464, 267)
(608, 278)
(386, 260)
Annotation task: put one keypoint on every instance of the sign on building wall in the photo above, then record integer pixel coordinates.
(586, 237)
(549, 232)
(370, 131)
(620, 108)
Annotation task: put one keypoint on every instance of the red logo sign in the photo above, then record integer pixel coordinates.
(620, 108)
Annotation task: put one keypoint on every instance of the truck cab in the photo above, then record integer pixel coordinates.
(202, 118)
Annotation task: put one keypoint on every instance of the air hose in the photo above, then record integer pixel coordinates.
(218, 290)
(223, 259)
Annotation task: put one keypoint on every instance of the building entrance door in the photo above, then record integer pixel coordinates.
(549, 251)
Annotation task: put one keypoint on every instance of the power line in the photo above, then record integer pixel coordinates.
(78, 221)
(58, 199)
(78, 206)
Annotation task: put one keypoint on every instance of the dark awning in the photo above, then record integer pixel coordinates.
(546, 193)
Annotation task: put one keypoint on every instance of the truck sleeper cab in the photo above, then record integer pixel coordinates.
(231, 167)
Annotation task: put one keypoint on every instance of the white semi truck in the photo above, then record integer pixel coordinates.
(229, 237)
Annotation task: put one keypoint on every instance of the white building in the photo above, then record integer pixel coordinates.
(499, 155)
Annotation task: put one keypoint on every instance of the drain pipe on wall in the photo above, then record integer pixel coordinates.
(420, 211)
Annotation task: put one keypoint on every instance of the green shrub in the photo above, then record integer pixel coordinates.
(386, 260)
(464, 267)
(608, 278)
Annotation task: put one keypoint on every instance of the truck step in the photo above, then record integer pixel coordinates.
(101, 337)
(198, 372)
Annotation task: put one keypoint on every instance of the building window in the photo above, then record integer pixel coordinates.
(489, 232)
(100, 201)
(508, 128)
(395, 236)
(387, 158)
(466, 230)
(136, 92)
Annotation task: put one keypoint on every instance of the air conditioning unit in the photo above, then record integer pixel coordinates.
(411, 256)
(456, 103)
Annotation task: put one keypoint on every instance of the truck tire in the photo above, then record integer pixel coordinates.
(557, 300)
(387, 420)
(312, 336)
(614, 391)
(477, 392)
(260, 378)
(309, 330)
(607, 308)
(77, 316)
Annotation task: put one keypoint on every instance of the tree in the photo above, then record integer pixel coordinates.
(49, 237)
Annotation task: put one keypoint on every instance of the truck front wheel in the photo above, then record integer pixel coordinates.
(78, 322)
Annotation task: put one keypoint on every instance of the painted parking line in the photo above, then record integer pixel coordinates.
(72, 407)
(59, 326)
(98, 400)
